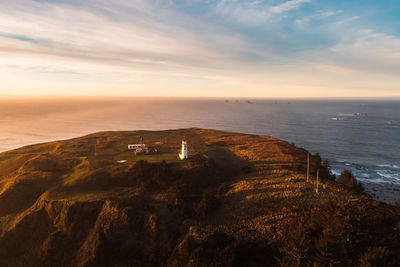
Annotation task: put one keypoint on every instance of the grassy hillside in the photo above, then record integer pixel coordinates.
(240, 200)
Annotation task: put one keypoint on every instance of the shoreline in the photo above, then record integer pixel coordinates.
(385, 192)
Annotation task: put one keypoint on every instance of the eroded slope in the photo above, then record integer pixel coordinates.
(239, 200)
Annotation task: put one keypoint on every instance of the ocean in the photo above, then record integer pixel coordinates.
(362, 135)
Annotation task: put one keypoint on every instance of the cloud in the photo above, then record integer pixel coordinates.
(126, 36)
(287, 6)
(368, 51)
(19, 37)
(319, 15)
(219, 44)
(256, 12)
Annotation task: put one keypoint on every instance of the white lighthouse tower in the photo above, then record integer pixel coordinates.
(184, 153)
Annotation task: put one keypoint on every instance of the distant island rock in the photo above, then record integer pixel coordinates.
(238, 200)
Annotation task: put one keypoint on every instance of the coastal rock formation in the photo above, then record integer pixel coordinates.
(239, 200)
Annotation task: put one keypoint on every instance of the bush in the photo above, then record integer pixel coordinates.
(152, 176)
(375, 257)
(224, 188)
(349, 181)
(315, 163)
(325, 170)
(188, 245)
(246, 169)
(216, 249)
(207, 205)
(254, 253)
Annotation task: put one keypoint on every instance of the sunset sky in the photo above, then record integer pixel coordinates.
(255, 48)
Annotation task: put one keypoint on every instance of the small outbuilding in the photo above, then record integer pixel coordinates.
(137, 147)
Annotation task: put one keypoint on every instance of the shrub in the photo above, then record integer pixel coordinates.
(254, 253)
(188, 245)
(152, 176)
(375, 257)
(246, 169)
(349, 181)
(207, 205)
(224, 188)
(325, 170)
(315, 163)
(216, 249)
(296, 248)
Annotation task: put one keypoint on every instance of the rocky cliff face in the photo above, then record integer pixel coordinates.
(239, 200)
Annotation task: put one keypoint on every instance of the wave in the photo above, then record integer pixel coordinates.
(393, 166)
(379, 174)
(376, 181)
(356, 114)
(387, 174)
(335, 172)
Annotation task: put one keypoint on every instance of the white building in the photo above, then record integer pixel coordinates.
(137, 147)
(184, 152)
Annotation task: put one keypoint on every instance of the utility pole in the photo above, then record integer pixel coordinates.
(317, 181)
(308, 165)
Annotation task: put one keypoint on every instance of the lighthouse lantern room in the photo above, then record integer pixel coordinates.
(184, 153)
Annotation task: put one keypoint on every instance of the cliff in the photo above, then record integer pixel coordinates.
(240, 200)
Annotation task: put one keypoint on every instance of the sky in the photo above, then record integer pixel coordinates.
(216, 48)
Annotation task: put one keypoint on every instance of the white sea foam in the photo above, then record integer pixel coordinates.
(393, 166)
(335, 172)
(376, 181)
(384, 165)
(357, 114)
(388, 174)
(365, 175)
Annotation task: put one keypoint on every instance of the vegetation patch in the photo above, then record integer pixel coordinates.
(239, 200)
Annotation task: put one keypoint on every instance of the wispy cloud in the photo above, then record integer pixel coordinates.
(217, 43)
(319, 15)
(255, 12)
(76, 32)
(287, 6)
(369, 51)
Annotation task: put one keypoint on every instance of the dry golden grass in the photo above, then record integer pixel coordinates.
(74, 191)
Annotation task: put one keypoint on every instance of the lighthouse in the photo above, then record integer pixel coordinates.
(184, 153)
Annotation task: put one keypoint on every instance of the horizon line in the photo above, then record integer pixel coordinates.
(208, 97)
